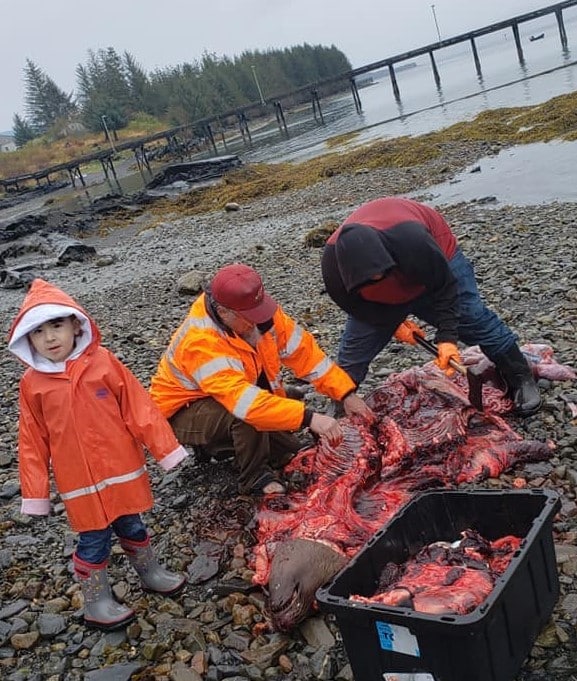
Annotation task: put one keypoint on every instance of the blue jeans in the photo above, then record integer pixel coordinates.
(94, 546)
(477, 325)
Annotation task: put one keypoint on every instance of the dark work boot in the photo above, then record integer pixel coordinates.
(153, 576)
(518, 376)
(100, 609)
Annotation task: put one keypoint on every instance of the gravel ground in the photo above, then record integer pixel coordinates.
(525, 260)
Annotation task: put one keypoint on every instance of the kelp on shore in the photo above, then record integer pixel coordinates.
(554, 119)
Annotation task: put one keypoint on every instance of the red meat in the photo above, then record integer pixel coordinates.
(469, 567)
(426, 435)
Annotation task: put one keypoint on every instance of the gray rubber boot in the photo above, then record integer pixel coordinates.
(100, 609)
(152, 575)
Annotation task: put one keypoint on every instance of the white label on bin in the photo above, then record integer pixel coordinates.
(403, 676)
(397, 639)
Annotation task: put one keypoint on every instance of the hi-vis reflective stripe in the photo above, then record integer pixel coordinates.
(197, 323)
(184, 381)
(293, 342)
(321, 369)
(245, 401)
(92, 489)
(215, 365)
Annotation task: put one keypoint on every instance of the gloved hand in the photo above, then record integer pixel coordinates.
(405, 331)
(445, 352)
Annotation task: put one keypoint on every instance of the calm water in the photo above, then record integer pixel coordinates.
(548, 71)
(525, 175)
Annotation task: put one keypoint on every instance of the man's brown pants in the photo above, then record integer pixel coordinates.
(208, 424)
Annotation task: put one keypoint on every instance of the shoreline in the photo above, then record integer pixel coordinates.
(525, 260)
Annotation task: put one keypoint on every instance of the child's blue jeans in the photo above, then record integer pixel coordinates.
(94, 546)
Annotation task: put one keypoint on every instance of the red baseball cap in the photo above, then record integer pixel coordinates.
(240, 288)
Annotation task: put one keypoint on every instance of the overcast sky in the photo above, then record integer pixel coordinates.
(57, 34)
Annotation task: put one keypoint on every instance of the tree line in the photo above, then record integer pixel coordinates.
(115, 89)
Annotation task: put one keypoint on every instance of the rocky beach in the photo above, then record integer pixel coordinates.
(138, 287)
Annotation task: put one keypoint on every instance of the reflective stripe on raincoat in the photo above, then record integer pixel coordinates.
(205, 360)
(88, 422)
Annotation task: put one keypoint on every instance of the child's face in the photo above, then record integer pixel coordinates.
(54, 340)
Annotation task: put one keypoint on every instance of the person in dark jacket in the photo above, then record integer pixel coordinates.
(395, 257)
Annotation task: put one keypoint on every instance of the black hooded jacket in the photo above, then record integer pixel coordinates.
(406, 246)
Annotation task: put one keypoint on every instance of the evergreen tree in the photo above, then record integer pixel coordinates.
(179, 88)
(118, 88)
(114, 79)
(45, 102)
(22, 131)
(138, 84)
(103, 90)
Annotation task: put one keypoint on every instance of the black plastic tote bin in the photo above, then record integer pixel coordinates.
(490, 643)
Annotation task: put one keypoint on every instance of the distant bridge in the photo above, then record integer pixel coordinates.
(204, 126)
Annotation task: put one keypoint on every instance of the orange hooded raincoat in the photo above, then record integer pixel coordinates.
(88, 418)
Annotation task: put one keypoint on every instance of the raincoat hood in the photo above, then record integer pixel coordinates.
(42, 303)
(361, 253)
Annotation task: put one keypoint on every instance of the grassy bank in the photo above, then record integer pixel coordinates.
(44, 152)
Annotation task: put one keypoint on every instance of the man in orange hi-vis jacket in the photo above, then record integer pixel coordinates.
(219, 382)
(86, 417)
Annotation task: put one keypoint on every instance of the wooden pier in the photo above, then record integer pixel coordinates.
(207, 129)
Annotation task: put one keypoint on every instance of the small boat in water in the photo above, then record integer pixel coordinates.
(539, 36)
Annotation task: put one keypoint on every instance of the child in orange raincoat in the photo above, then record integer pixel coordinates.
(84, 415)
